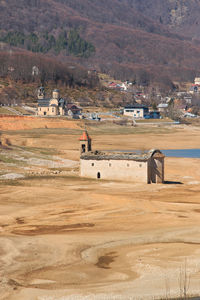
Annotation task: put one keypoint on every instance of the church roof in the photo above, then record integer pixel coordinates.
(114, 155)
(85, 136)
(43, 102)
(46, 102)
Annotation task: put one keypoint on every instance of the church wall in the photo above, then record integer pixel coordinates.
(53, 111)
(42, 111)
(61, 111)
(53, 102)
(47, 111)
(128, 170)
(156, 170)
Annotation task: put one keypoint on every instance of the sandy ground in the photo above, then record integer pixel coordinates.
(27, 122)
(63, 237)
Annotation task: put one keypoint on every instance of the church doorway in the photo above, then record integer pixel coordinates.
(98, 175)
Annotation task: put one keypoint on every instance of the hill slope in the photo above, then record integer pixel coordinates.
(125, 38)
(180, 16)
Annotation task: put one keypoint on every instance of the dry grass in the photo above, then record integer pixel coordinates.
(4, 111)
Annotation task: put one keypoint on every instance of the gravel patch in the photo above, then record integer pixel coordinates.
(11, 176)
(53, 162)
(60, 163)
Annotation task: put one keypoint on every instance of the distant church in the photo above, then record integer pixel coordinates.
(50, 107)
(145, 167)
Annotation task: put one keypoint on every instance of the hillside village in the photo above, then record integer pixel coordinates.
(138, 103)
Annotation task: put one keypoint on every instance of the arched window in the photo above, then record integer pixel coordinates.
(83, 148)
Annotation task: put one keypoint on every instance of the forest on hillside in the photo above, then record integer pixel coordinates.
(126, 39)
(70, 42)
(27, 67)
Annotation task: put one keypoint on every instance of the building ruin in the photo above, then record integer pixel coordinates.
(145, 167)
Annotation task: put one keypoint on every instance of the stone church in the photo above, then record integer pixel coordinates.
(50, 107)
(146, 167)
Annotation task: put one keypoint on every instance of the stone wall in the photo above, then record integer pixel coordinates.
(128, 170)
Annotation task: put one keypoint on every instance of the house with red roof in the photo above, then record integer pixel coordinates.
(74, 111)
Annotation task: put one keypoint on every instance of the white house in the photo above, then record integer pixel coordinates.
(136, 111)
(162, 107)
(124, 87)
(197, 80)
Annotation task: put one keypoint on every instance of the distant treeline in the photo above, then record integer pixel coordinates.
(70, 41)
(28, 67)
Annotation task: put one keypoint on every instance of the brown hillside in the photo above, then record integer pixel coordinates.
(130, 40)
(180, 16)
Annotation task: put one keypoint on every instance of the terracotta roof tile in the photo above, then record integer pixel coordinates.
(84, 137)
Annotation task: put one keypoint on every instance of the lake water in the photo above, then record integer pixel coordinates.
(187, 153)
